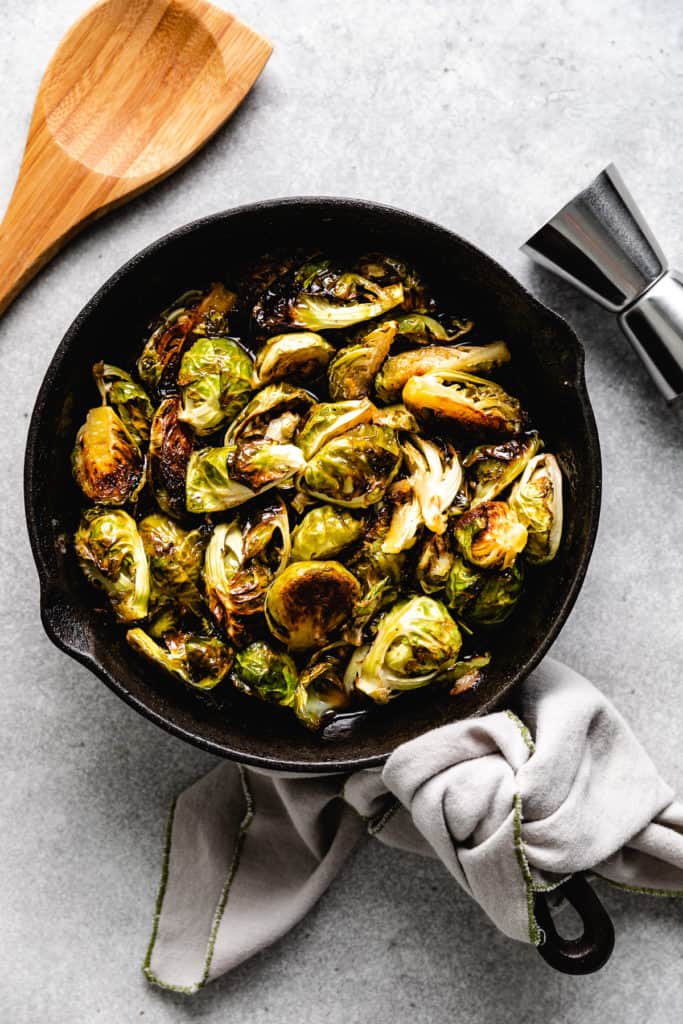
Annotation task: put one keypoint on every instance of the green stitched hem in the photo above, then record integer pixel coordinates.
(535, 933)
(526, 735)
(376, 824)
(222, 901)
(642, 890)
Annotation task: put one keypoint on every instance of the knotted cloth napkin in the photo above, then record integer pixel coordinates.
(510, 803)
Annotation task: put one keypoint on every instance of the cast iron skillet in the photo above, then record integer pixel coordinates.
(548, 376)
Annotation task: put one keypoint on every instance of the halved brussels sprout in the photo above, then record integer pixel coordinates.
(330, 419)
(435, 360)
(321, 688)
(425, 330)
(406, 517)
(309, 601)
(490, 535)
(111, 554)
(262, 672)
(175, 562)
(493, 467)
(319, 296)
(215, 383)
(261, 464)
(158, 365)
(324, 533)
(352, 372)
(201, 662)
(416, 642)
(130, 401)
(463, 584)
(436, 476)
(497, 597)
(435, 563)
(294, 356)
(240, 563)
(389, 270)
(355, 469)
(170, 448)
(537, 500)
(472, 402)
(106, 463)
(397, 417)
(275, 412)
(209, 486)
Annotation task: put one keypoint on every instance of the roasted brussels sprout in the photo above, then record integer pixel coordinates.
(537, 500)
(352, 372)
(325, 532)
(111, 554)
(170, 447)
(388, 270)
(201, 662)
(416, 641)
(106, 463)
(130, 401)
(274, 412)
(497, 597)
(406, 518)
(330, 419)
(209, 486)
(320, 296)
(435, 563)
(175, 562)
(268, 674)
(215, 383)
(435, 360)
(321, 687)
(240, 562)
(436, 476)
(158, 365)
(490, 535)
(309, 601)
(292, 357)
(261, 464)
(472, 402)
(425, 330)
(354, 469)
(397, 417)
(493, 467)
(463, 583)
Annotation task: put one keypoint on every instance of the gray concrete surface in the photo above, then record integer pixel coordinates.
(484, 117)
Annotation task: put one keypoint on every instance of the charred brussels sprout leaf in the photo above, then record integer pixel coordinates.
(406, 518)
(537, 500)
(170, 448)
(425, 330)
(111, 554)
(472, 402)
(330, 419)
(297, 356)
(493, 467)
(352, 372)
(209, 486)
(435, 360)
(354, 469)
(490, 535)
(130, 401)
(416, 641)
(467, 673)
(263, 463)
(106, 463)
(265, 673)
(200, 662)
(325, 532)
(321, 296)
(435, 563)
(322, 688)
(309, 601)
(215, 383)
(274, 412)
(175, 561)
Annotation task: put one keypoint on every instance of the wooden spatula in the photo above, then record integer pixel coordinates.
(133, 90)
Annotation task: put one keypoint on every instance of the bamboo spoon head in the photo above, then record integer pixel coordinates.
(137, 86)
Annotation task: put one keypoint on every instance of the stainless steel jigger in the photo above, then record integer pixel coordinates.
(601, 242)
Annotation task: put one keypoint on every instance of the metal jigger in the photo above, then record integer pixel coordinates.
(601, 243)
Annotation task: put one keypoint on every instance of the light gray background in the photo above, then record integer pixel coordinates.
(485, 117)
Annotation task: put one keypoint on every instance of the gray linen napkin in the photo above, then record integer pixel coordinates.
(510, 804)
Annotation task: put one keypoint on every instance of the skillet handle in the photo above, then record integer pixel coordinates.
(593, 948)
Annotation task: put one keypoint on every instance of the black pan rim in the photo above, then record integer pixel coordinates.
(48, 587)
